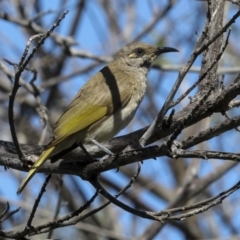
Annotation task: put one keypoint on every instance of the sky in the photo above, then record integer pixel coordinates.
(91, 40)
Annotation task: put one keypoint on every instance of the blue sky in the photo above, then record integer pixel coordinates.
(92, 32)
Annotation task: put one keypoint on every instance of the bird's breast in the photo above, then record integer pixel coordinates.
(107, 127)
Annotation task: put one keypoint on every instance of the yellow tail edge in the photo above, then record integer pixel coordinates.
(42, 159)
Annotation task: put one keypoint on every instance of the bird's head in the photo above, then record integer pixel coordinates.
(140, 55)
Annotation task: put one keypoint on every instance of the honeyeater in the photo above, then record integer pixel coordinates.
(104, 105)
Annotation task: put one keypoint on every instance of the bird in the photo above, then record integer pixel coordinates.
(104, 105)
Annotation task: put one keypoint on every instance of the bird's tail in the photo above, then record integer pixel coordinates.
(42, 159)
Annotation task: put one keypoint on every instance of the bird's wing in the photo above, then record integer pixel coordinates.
(99, 97)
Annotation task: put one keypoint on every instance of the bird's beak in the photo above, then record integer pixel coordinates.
(166, 49)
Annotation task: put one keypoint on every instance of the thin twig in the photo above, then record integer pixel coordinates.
(62, 221)
(5, 215)
(5, 211)
(197, 207)
(183, 124)
(37, 201)
(58, 223)
(198, 50)
(203, 75)
(143, 214)
(20, 68)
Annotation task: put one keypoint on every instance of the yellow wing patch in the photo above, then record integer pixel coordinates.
(77, 118)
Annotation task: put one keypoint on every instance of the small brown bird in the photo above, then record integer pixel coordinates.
(105, 104)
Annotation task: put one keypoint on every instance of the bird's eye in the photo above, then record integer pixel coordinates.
(139, 51)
